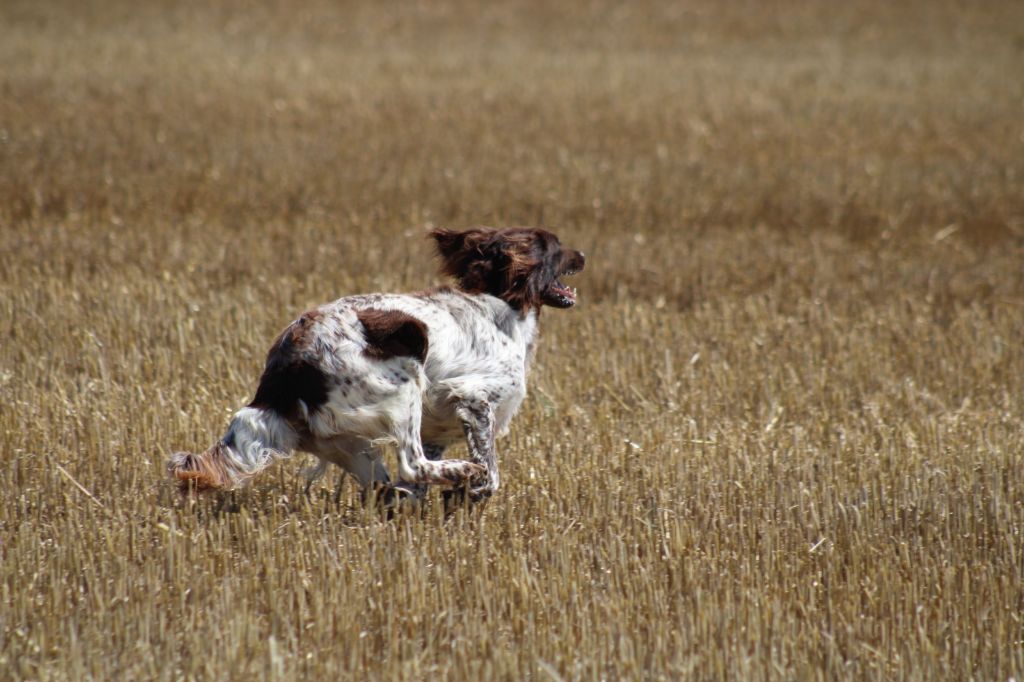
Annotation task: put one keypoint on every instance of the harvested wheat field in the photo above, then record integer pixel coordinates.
(781, 437)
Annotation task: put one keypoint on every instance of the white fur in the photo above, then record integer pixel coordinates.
(475, 369)
(256, 438)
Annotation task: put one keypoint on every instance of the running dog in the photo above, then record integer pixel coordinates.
(419, 371)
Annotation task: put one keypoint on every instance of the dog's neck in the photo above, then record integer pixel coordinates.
(520, 328)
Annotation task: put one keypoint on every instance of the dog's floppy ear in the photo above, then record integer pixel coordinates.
(449, 242)
(465, 256)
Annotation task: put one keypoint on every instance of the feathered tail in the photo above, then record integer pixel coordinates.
(255, 438)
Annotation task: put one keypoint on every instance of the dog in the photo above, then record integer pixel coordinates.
(419, 371)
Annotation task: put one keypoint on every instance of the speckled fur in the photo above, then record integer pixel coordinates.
(338, 386)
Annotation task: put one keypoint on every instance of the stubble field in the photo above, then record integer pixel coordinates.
(780, 438)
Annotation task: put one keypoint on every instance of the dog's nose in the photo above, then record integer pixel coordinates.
(583, 259)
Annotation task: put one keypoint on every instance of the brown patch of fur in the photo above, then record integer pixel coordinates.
(300, 328)
(287, 376)
(391, 333)
(516, 264)
(523, 260)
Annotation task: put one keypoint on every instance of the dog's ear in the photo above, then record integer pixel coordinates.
(466, 256)
(450, 243)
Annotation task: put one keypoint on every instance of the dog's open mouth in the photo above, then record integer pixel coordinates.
(560, 296)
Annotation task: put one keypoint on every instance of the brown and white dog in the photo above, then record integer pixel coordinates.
(418, 370)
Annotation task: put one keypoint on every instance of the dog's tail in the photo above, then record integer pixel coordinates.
(255, 438)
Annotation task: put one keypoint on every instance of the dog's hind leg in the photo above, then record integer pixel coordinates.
(357, 456)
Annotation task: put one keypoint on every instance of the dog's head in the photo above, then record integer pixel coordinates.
(521, 266)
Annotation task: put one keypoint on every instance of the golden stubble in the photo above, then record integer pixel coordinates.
(779, 438)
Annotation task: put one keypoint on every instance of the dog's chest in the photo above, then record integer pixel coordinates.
(478, 361)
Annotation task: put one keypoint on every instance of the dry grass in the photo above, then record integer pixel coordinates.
(781, 437)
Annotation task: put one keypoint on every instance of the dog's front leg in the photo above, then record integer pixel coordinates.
(477, 418)
(413, 465)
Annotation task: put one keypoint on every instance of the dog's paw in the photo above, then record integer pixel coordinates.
(465, 497)
(480, 478)
(393, 499)
(480, 493)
